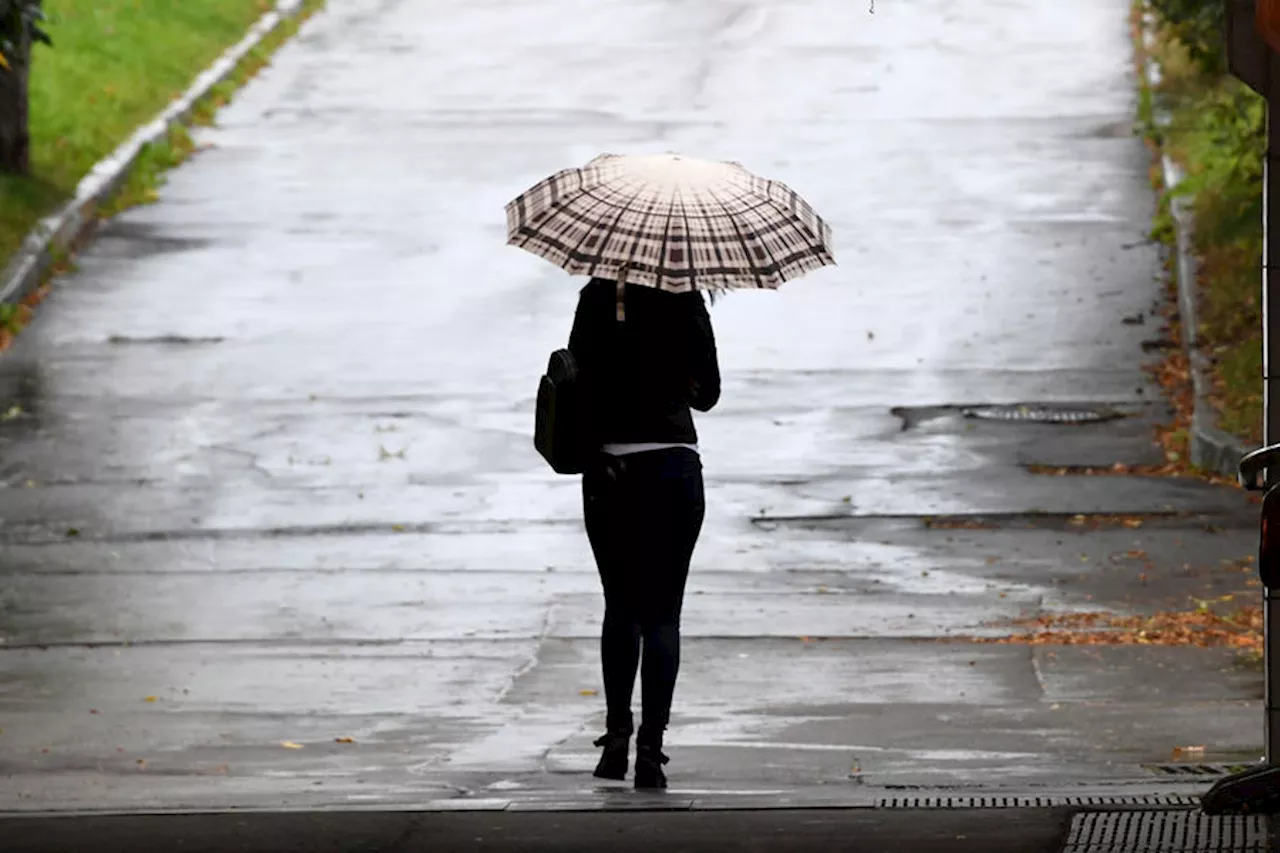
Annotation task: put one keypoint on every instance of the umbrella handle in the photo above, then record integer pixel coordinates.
(622, 293)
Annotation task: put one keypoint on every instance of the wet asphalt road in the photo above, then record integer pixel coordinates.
(272, 479)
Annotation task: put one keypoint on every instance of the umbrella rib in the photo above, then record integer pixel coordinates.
(604, 241)
(754, 270)
(524, 232)
(597, 202)
(666, 234)
(688, 245)
(819, 241)
(716, 246)
(647, 215)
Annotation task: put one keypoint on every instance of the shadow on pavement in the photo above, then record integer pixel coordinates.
(815, 830)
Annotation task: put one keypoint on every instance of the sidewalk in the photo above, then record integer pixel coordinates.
(275, 535)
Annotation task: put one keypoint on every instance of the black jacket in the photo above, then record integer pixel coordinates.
(642, 375)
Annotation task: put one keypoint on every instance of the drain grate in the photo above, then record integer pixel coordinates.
(1032, 802)
(1195, 769)
(1165, 832)
(1040, 414)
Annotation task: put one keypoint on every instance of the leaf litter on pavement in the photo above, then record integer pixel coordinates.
(1205, 626)
(1173, 374)
(1219, 622)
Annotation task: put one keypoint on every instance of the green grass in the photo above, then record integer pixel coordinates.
(1214, 137)
(147, 176)
(115, 65)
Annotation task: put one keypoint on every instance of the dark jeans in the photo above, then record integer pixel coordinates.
(643, 514)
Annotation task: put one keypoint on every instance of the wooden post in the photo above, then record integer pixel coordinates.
(15, 139)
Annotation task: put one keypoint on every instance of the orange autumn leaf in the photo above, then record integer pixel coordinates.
(1240, 629)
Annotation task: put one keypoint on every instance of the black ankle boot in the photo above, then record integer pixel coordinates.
(613, 761)
(649, 761)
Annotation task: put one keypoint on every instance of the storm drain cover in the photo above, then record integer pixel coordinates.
(1165, 832)
(1033, 802)
(1195, 769)
(1040, 414)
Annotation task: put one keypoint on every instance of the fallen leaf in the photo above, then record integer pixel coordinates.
(288, 744)
(1133, 523)
(4, 63)
(344, 740)
(398, 528)
(1241, 629)
(151, 699)
(588, 692)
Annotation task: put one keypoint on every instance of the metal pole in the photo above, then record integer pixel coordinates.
(1271, 384)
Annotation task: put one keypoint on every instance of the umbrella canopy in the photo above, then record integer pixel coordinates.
(671, 222)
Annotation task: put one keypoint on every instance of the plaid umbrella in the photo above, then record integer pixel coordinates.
(671, 222)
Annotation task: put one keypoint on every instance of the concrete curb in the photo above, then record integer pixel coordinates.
(1133, 795)
(1212, 448)
(76, 220)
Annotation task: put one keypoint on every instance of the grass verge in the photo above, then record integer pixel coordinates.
(1216, 134)
(116, 65)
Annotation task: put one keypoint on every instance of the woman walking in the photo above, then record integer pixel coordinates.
(642, 494)
(652, 231)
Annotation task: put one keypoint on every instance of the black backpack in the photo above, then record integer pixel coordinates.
(559, 429)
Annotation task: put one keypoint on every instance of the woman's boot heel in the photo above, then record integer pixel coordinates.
(613, 761)
(649, 761)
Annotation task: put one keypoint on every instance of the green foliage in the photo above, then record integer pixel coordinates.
(1217, 133)
(20, 21)
(1225, 147)
(93, 91)
(1162, 225)
(147, 176)
(1200, 25)
(10, 317)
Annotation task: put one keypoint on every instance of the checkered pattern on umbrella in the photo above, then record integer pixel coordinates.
(675, 223)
